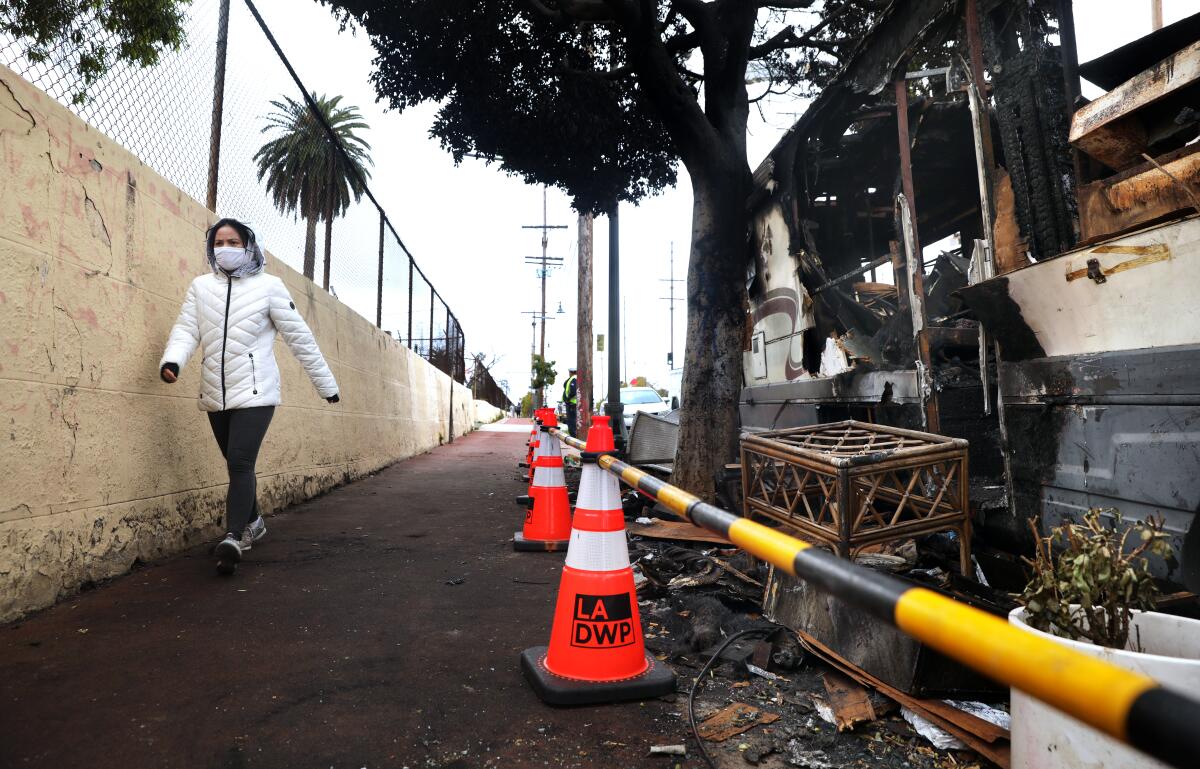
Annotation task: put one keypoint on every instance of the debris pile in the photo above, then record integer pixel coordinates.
(762, 694)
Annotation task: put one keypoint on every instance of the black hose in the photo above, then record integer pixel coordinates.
(696, 683)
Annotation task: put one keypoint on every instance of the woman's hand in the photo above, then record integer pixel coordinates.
(169, 373)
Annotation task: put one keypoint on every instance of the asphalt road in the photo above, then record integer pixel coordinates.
(341, 642)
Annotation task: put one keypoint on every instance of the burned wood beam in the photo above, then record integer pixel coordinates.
(915, 275)
(1140, 195)
(1110, 128)
(861, 270)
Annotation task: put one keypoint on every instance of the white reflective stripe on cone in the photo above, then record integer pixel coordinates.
(598, 490)
(551, 445)
(598, 550)
(549, 476)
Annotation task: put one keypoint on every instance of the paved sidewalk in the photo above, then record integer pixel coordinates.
(345, 640)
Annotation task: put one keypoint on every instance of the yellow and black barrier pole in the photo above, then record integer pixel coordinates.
(1127, 706)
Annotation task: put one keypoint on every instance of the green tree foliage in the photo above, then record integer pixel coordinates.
(308, 175)
(94, 34)
(543, 372)
(603, 98)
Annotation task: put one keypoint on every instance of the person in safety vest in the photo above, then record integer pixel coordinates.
(571, 400)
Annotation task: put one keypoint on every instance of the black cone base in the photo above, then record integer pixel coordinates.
(523, 545)
(657, 681)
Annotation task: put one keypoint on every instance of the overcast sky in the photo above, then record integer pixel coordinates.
(464, 224)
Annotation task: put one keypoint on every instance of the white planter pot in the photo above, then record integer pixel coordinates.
(1044, 738)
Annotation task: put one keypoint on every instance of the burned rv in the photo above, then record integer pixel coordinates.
(950, 239)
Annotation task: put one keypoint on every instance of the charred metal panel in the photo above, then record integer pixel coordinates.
(868, 642)
(1003, 319)
(1115, 430)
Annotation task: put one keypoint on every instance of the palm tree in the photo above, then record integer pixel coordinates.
(306, 173)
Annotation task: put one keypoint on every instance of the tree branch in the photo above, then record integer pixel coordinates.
(681, 43)
(574, 10)
(787, 38)
(695, 11)
(785, 4)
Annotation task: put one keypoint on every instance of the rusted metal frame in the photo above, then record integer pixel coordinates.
(964, 501)
(218, 110)
(916, 276)
(981, 125)
(379, 283)
(902, 304)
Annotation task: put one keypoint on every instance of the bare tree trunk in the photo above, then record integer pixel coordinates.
(329, 237)
(712, 373)
(583, 326)
(310, 246)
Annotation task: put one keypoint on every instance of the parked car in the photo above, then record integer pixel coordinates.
(647, 399)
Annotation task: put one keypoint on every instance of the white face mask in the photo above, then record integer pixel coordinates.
(230, 259)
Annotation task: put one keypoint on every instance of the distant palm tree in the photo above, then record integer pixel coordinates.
(306, 174)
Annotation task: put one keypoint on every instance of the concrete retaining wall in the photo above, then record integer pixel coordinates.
(104, 464)
(486, 413)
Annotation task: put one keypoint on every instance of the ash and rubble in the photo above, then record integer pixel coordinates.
(694, 595)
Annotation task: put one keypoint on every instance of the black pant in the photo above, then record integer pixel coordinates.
(572, 417)
(240, 433)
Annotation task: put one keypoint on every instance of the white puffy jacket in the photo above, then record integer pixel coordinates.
(234, 323)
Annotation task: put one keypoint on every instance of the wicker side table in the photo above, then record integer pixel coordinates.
(852, 484)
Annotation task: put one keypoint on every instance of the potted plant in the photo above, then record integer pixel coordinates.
(1092, 591)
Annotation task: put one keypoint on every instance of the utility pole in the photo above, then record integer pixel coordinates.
(543, 271)
(583, 326)
(625, 339)
(671, 281)
(533, 324)
(613, 406)
(214, 134)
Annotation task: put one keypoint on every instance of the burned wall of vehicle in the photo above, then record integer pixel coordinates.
(1100, 378)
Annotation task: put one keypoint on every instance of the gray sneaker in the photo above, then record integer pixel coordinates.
(229, 550)
(254, 531)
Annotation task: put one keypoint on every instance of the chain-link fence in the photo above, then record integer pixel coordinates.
(485, 388)
(227, 120)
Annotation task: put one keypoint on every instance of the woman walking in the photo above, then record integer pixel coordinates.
(232, 313)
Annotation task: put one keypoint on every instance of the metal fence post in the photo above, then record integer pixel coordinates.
(214, 134)
(410, 295)
(450, 356)
(379, 293)
(429, 342)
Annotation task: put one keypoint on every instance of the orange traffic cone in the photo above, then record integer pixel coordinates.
(526, 499)
(530, 442)
(548, 520)
(597, 652)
